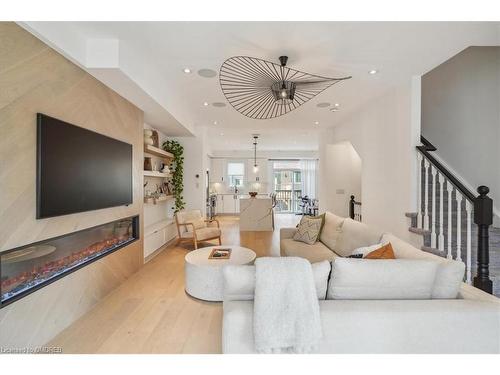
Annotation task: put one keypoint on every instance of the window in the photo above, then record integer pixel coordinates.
(235, 173)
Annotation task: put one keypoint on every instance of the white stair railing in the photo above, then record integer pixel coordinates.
(441, 221)
(468, 266)
(436, 224)
(419, 190)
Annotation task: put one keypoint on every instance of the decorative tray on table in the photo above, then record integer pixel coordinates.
(220, 253)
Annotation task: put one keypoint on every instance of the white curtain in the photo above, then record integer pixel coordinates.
(308, 170)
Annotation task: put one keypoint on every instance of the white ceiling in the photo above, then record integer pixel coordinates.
(398, 50)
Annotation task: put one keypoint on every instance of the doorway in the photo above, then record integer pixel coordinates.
(287, 184)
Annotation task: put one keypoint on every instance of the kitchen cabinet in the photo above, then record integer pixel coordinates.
(218, 170)
(220, 204)
(228, 204)
(236, 204)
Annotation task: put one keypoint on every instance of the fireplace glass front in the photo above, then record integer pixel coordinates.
(28, 268)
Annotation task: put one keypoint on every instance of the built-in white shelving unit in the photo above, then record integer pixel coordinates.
(159, 224)
(157, 174)
(152, 150)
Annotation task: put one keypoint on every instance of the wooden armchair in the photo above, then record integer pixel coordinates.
(192, 227)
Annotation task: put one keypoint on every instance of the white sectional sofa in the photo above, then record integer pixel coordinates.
(435, 316)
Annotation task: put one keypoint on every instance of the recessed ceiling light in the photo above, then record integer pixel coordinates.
(219, 104)
(222, 134)
(215, 122)
(373, 71)
(316, 122)
(337, 104)
(187, 70)
(323, 105)
(205, 104)
(207, 73)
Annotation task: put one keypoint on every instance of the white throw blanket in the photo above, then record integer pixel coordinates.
(286, 310)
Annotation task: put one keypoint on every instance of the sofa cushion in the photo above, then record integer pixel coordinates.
(331, 230)
(239, 281)
(354, 235)
(383, 252)
(308, 230)
(313, 253)
(449, 275)
(390, 327)
(381, 279)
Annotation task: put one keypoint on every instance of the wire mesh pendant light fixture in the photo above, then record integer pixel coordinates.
(261, 89)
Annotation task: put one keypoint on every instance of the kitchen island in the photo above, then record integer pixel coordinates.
(256, 214)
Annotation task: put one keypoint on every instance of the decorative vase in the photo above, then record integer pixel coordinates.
(148, 137)
(148, 166)
(165, 169)
(155, 138)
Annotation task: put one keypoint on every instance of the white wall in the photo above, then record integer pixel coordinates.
(461, 116)
(340, 167)
(196, 162)
(276, 154)
(383, 135)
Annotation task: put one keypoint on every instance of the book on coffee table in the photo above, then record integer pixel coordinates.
(220, 253)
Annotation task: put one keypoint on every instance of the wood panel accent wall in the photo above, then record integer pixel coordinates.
(35, 78)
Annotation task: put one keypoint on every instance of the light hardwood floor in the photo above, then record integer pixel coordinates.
(151, 313)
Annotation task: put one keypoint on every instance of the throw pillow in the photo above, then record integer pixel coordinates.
(331, 230)
(308, 230)
(363, 251)
(322, 217)
(385, 252)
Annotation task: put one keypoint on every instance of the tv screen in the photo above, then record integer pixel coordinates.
(79, 170)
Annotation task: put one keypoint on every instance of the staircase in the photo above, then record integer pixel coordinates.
(445, 219)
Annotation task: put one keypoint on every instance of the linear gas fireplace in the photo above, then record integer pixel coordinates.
(28, 268)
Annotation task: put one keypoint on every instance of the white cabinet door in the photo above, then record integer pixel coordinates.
(262, 170)
(236, 204)
(229, 205)
(218, 170)
(170, 232)
(220, 204)
(153, 241)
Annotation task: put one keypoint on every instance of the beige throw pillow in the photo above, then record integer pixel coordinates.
(331, 230)
(308, 230)
(355, 235)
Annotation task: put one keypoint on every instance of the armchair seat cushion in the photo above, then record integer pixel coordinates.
(203, 233)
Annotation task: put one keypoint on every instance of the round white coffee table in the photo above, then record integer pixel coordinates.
(204, 276)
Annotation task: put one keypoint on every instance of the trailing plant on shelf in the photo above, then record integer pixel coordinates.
(177, 168)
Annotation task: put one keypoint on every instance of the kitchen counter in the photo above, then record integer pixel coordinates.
(256, 214)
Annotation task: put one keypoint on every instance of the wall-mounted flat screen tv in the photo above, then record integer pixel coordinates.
(79, 170)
